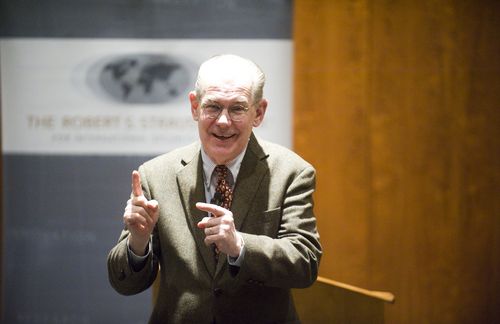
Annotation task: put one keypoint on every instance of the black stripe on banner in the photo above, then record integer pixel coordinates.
(146, 18)
(62, 215)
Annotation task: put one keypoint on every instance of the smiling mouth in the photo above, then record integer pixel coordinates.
(223, 137)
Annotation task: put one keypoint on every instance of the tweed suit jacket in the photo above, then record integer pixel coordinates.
(272, 208)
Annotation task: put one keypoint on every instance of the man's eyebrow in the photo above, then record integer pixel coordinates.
(242, 102)
(210, 101)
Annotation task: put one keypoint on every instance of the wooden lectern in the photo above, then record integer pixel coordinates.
(329, 301)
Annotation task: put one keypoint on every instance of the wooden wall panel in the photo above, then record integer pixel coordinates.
(326, 111)
(397, 106)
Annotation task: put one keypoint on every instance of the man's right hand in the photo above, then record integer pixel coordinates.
(140, 217)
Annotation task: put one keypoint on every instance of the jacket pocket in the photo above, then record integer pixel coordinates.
(266, 223)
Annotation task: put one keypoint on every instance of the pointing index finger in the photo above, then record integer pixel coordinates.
(215, 210)
(136, 184)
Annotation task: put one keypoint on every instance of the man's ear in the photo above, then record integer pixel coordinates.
(260, 112)
(195, 105)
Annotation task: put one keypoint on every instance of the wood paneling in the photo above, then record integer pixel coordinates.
(397, 106)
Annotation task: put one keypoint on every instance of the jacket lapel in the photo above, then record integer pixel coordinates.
(192, 190)
(252, 171)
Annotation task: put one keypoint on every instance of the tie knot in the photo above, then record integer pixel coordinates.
(221, 171)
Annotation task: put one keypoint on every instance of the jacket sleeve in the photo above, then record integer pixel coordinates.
(291, 259)
(121, 275)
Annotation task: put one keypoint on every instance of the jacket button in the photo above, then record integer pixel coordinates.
(217, 292)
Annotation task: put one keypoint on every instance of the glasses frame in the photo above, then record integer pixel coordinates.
(208, 115)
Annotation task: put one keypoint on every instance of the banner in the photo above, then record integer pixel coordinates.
(89, 91)
(116, 96)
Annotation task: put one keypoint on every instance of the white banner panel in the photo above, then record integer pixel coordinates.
(121, 96)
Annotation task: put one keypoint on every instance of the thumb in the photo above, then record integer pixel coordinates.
(153, 205)
(203, 223)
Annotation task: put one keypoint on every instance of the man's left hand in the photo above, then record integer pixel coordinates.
(220, 229)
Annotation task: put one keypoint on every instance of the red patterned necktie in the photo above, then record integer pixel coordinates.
(223, 193)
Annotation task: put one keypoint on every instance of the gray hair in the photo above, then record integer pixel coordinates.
(239, 63)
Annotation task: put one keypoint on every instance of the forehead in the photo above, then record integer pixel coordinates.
(233, 94)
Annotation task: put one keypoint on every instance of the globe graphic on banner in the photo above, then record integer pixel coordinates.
(145, 78)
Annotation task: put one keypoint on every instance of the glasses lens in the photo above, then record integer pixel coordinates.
(211, 111)
(237, 113)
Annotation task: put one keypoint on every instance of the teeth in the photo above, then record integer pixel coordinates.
(223, 136)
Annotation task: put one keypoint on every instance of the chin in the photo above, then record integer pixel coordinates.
(223, 151)
(224, 156)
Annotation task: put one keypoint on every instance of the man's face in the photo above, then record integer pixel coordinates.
(222, 138)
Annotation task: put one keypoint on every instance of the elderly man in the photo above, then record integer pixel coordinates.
(229, 221)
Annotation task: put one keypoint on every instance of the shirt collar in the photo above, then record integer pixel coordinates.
(209, 165)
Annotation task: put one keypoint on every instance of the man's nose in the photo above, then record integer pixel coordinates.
(224, 118)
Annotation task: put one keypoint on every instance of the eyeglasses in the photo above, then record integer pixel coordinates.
(236, 113)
